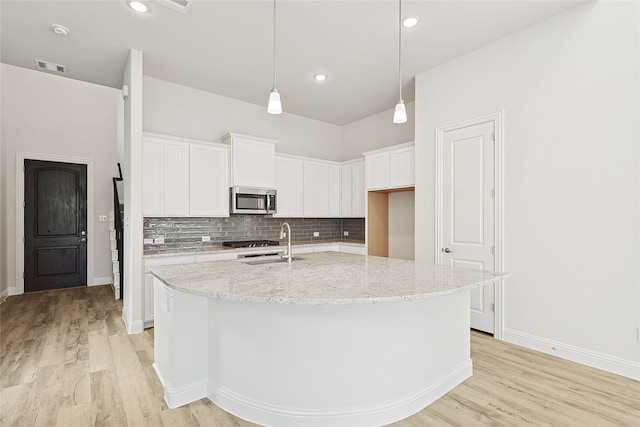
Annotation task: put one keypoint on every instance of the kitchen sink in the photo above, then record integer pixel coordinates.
(271, 261)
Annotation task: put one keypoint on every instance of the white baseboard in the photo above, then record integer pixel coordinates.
(13, 290)
(178, 397)
(616, 365)
(3, 295)
(133, 327)
(98, 281)
(383, 413)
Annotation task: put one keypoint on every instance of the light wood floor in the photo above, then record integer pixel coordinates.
(68, 361)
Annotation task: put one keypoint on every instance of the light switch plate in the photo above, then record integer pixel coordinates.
(206, 238)
(158, 240)
(316, 234)
(148, 241)
(102, 218)
(345, 233)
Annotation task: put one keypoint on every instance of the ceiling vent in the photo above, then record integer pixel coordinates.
(51, 66)
(179, 5)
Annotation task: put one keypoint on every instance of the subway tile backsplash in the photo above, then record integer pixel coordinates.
(185, 233)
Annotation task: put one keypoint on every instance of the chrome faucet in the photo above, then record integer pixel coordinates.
(288, 256)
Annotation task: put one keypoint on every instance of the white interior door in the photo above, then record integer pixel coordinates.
(468, 210)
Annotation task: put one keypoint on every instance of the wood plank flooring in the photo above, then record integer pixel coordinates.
(66, 360)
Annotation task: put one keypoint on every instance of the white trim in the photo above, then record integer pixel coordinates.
(389, 148)
(381, 413)
(158, 137)
(616, 365)
(101, 281)
(184, 395)
(20, 158)
(498, 119)
(3, 295)
(134, 327)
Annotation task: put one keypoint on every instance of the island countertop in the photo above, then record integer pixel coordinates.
(322, 278)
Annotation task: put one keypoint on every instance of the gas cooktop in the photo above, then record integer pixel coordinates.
(251, 243)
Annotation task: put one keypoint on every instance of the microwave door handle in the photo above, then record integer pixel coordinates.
(268, 203)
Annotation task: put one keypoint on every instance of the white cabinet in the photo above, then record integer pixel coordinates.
(321, 189)
(252, 160)
(184, 177)
(208, 180)
(391, 167)
(352, 189)
(289, 180)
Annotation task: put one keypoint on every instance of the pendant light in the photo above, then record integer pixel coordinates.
(274, 106)
(400, 113)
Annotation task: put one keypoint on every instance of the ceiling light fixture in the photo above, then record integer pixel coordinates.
(275, 105)
(400, 113)
(138, 6)
(320, 77)
(60, 30)
(410, 21)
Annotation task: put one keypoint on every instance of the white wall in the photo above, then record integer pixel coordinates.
(55, 116)
(178, 110)
(376, 131)
(402, 225)
(4, 285)
(569, 89)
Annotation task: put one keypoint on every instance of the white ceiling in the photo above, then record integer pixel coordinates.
(225, 47)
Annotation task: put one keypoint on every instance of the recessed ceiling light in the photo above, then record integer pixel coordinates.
(60, 30)
(138, 6)
(320, 77)
(410, 21)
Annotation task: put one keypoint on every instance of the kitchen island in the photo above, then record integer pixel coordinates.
(332, 339)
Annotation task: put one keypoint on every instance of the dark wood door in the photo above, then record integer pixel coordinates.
(55, 225)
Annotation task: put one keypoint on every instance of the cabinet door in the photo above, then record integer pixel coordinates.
(200, 180)
(334, 191)
(263, 157)
(220, 182)
(176, 178)
(358, 190)
(148, 300)
(152, 178)
(377, 174)
(296, 187)
(345, 191)
(243, 163)
(401, 168)
(282, 186)
(316, 189)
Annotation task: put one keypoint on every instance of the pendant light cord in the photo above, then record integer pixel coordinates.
(274, 44)
(399, 46)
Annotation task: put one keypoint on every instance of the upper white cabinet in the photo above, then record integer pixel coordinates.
(289, 176)
(252, 160)
(352, 189)
(321, 189)
(184, 177)
(208, 180)
(391, 167)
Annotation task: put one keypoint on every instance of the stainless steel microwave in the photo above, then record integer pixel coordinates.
(250, 200)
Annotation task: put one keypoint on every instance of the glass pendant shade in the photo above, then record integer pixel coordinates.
(400, 113)
(275, 106)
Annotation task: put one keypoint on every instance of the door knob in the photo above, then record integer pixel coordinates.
(84, 239)
(447, 251)
(82, 233)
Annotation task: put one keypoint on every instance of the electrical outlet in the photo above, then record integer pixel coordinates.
(316, 234)
(206, 238)
(102, 218)
(345, 233)
(148, 241)
(158, 240)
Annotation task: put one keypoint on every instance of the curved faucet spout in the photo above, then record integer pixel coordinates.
(288, 255)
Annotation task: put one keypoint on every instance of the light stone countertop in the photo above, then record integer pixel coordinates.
(203, 250)
(322, 278)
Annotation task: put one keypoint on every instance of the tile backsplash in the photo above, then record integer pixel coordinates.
(184, 233)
